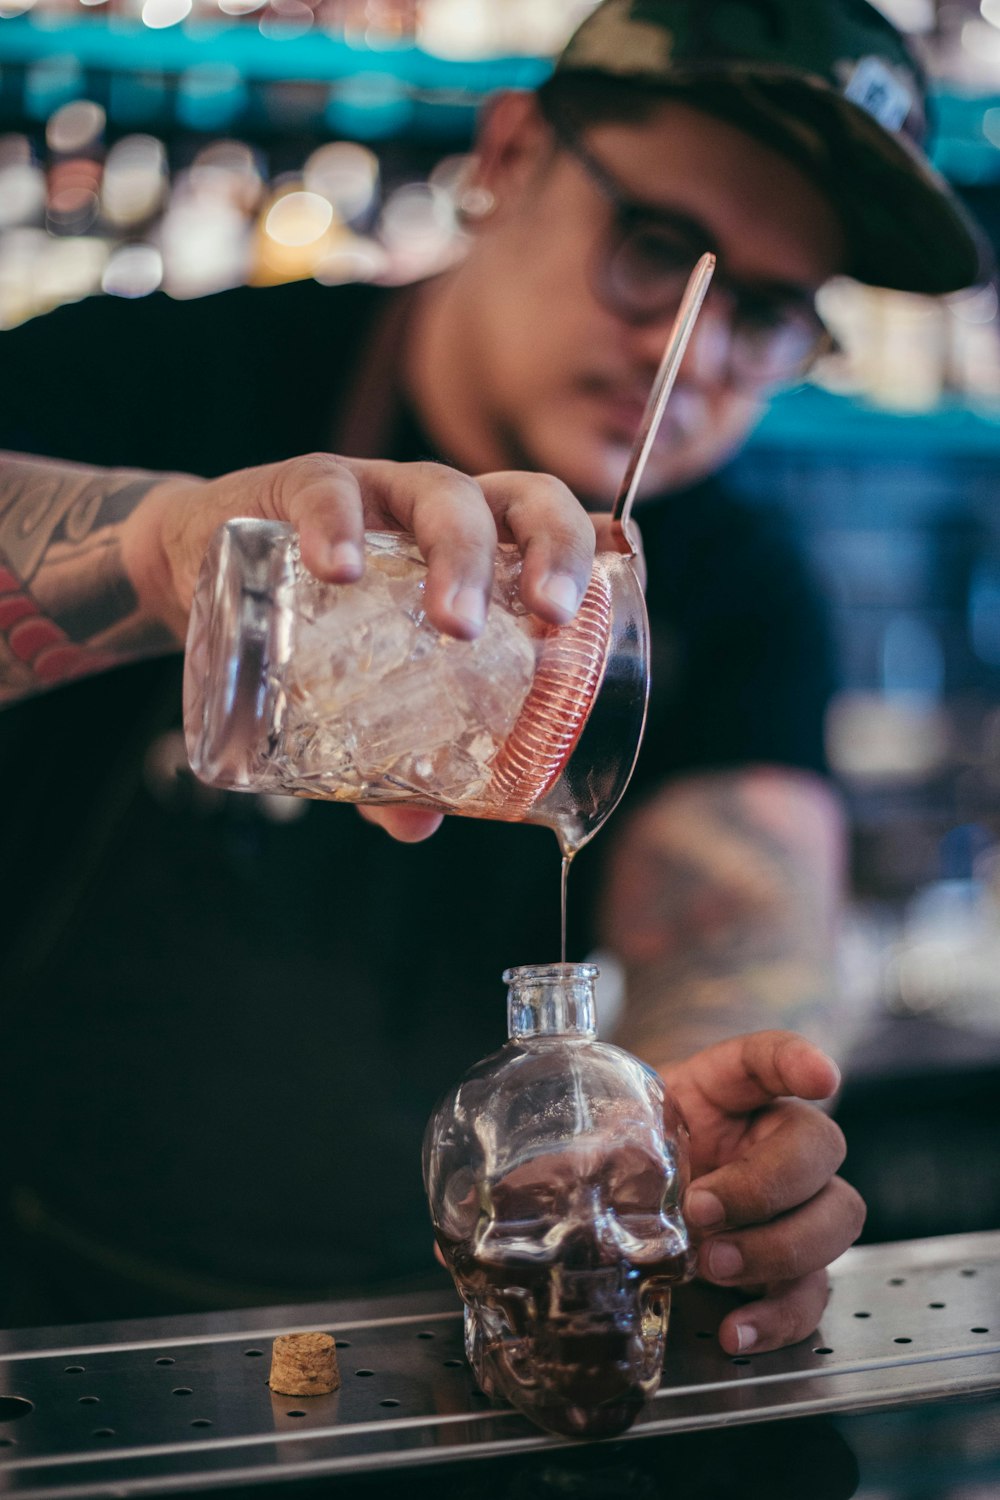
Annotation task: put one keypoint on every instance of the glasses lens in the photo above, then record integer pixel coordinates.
(775, 340)
(646, 269)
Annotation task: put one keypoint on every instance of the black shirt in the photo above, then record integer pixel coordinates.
(228, 1018)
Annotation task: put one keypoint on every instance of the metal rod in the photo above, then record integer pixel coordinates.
(680, 336)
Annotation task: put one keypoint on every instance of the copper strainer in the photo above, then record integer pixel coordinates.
(572, 658)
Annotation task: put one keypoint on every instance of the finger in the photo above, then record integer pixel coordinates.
(788, 1247)
(408, 825)
(789, 1312)
(789, 1160)
(554, 534)
(747, 1072)
(322, 499)
(453, 526)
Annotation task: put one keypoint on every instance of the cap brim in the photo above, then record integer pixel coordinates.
(906, 228)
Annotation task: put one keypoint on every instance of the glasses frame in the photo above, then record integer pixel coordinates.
(630, 212)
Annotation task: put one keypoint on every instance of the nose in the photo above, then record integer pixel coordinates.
(592, 1239)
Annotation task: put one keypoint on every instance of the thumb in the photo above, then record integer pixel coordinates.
(747, 1072)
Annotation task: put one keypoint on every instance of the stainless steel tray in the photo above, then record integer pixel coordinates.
(182, 1403)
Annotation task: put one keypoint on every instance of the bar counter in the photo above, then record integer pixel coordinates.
(898, 1393)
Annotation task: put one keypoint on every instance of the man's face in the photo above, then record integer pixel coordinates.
(563, 376)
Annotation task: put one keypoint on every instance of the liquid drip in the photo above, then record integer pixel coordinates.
(567, 860)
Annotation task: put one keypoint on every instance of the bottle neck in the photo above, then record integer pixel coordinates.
(551, 1000)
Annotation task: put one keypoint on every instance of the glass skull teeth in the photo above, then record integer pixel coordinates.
(554, 1172)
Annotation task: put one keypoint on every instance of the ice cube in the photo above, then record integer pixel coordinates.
(379, 700)
(491, 675)
(448, 773)
(407, 713)
(360, 633)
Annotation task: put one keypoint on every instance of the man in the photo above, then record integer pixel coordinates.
(218, 972)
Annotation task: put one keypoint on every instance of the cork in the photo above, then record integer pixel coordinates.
(304, 1364)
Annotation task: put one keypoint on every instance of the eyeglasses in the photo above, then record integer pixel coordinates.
(644, 264)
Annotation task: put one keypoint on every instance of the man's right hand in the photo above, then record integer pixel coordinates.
(152, 532)
(456, 520)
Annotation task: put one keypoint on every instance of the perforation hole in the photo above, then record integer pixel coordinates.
(74, 1370)
(936, 1304)
(703, 1333)
(739, 1359)
(103, 1432)
(295, 1413)
(897, 1281)
(253, 1353)
(979, 1330)
(388, 1402)
(89, 1400)
(166, 1360)
(364, 1372)
(969, 1271)
(902, 1341)
(341, 1343)
(425, 1335)
(862, 1314)
(453, 1364)
(182, 1390)
(822, 1349)
(201, 1422)
(12, 1407)
(6, 1442)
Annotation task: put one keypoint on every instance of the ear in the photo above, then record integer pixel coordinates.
(512, 140)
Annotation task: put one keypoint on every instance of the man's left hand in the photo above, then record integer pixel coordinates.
(765, 1208)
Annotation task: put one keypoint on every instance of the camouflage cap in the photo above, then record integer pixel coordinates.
(829, 83)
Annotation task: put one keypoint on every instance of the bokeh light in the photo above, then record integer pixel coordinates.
(158, 14)
(298, 219)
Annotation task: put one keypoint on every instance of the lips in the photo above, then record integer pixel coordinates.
(624, 399)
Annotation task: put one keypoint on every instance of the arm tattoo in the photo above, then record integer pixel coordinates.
(67, 607)
(722, 903)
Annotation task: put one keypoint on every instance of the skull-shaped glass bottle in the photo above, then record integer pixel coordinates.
(554, 1173)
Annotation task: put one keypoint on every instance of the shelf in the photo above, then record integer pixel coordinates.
(123, 46)
(815, 421)
(964, 150)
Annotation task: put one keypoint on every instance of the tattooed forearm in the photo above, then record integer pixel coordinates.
(722, 904)
(67, 606)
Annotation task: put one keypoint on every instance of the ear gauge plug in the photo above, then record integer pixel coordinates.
(475, 203)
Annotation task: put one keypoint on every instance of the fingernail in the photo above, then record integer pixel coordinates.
(724, 1260)
(467, 604)
(746, 1336)
(344, 557)
(703, 1209)
(561, 591)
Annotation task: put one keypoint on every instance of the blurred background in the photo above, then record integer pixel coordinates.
(192, 145)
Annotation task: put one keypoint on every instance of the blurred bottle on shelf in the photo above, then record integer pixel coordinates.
(373, 23)
(74, 136)
(135, 182)
(908, 353)
(973, 345)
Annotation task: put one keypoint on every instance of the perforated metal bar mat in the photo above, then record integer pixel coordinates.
(182, 1403)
